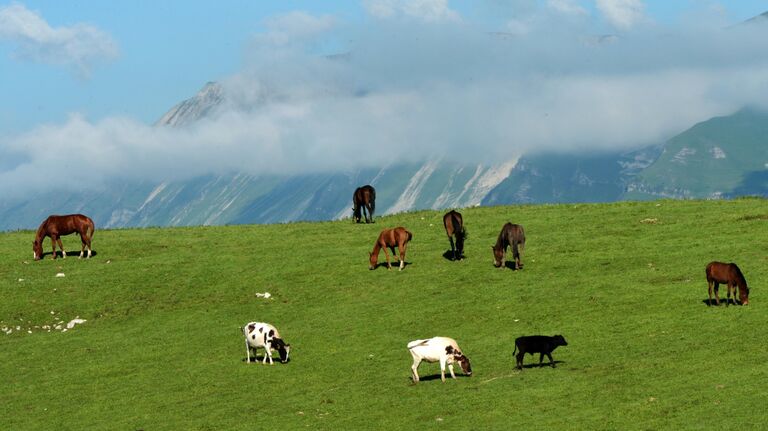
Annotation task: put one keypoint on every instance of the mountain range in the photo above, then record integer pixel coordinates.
(718, 158)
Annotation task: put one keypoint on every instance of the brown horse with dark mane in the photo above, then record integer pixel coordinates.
(389, 239)
(730, 275)
(454, 227)
(511, 235)
(364, 203)
(57, 225)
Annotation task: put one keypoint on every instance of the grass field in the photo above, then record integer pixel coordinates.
(162, 347)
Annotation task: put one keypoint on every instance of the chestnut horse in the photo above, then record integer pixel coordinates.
(57, 225)
(364, 200)
(454, 226)
(388, 239)
(730, 275)
(511, 235)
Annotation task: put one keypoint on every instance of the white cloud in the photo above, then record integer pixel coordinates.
(296, 26)
(78, 46)
(459, 92)
(569, 7)
(622, 14)
(427, 10)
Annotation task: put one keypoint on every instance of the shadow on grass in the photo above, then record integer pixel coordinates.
(733, 301)
(257, 360)
(437, 377)
(542, 365)
(69, 254)
(395, 265)
(448, 255)
(511, 265)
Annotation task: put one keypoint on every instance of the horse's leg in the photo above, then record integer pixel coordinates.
(61, 246)
(401, 248)
(386, 253)
(717, 294)
(709, 284)
(394, 255)
(53, 246)
(730, 287)
(83, 238)
(453, 250)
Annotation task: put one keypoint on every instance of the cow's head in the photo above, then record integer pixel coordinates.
(560, 340)
(37, 248)
(283, 349)
(498, 256)
(373, 259)
(464, 362)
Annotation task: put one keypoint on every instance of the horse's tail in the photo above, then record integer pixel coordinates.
(410, 235)
(373, 201)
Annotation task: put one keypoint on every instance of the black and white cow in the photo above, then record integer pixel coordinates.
(438, 349)
(541, 344)
(259, 334)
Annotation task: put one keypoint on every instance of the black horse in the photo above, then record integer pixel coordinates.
(364, 203)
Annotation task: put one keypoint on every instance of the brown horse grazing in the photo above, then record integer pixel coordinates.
(388, 239)
(454, 226)
(364, 201)
(728, 274)
(55, 226)
(511, 235)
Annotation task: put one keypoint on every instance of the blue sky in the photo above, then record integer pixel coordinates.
(166, 50)
(506, 75)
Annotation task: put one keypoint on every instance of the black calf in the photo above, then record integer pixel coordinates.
(537, 344)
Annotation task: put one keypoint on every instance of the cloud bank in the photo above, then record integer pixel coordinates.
(78, 47)
(408, 89)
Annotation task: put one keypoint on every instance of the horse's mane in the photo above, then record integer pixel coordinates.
(740, 280)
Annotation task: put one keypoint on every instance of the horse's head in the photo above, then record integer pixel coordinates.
(498, 256)
(373, 260)
(37, 249)
(744, 295)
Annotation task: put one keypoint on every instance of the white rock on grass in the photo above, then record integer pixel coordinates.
(60, 274)
(74, 322)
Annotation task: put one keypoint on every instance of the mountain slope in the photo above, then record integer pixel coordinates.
(716, 158)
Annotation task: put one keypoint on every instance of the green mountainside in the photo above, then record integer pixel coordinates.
(721, 157)
(159, 345)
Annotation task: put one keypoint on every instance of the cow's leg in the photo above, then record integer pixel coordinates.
(519, 358)
(442, 369)
(551, 362)
(541, 358)
(268, 348)
(450, 368)
(248, 350)
(415, 369)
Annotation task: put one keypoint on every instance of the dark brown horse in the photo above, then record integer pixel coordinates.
(730, 275)
(389, 239)
(511, 235)
(454, 227)
(57, 225)
(364, 203)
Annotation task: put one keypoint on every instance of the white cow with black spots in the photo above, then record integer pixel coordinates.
(438, 349)
(264, 335)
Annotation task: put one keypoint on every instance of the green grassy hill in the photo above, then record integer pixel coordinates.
(162, 347)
